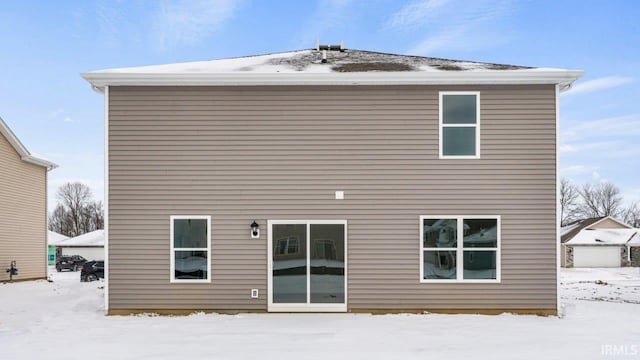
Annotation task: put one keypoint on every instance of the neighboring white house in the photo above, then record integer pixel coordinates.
(604, 242)
(89, 245)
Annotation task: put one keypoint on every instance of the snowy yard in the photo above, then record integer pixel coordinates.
(53, 320)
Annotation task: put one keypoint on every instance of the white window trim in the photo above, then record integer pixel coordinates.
(476, 125)
(287, 242)
(308, 306)
(172, 257)
(460, 250)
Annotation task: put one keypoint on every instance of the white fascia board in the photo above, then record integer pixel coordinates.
(564, 78)
(40, 161)
(25, 155)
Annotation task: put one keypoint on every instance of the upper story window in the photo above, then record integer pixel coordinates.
(190, 248)
(459, 125)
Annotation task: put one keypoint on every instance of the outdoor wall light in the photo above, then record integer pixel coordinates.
(255, 230)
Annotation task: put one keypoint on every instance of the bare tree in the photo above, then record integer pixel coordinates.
(76, 213)
(59, 220)
(631, 215)
(74, 197)
(95, 214)
(601, 199)
(568, 201)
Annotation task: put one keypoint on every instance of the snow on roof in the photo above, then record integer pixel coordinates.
(486, 236)
(94, 238)
(311, 61)
(566, 229)
(568, 232)
(307, 67)
(22, 150)
(53, 238)
(603, 237)
(635, 240)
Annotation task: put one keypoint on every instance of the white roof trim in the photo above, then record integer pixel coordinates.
(502, 77)
(25, 155)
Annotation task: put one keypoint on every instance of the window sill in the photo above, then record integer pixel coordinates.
(172, 281)
(465, 157)
(468, 281)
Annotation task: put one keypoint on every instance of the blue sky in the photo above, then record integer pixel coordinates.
(47, 44)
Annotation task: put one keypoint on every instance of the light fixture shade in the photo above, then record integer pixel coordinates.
(255, 230)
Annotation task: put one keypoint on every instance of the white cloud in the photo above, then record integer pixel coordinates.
(414, 14)
(577, 169)
(617, 126)
(110, 22)
(631, 196)
(60, 114)
(328, 16)
(189, 22)
(56, 112)
(567, 148)
(601, 146)
(452, 24)
(598, 84)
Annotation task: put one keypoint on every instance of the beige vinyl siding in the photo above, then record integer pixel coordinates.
(241, 154)
(607, 224)
(23, 228)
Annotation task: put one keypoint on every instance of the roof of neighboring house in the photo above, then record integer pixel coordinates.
(94, 238)
(53, 238)
(572, 229)
(603, 237)
(342, 67)
(22, 150)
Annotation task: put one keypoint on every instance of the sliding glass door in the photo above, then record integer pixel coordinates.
(307, 265)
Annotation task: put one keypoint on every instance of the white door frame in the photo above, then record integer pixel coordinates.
(308, 306)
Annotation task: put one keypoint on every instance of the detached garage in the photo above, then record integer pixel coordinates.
(601, 247)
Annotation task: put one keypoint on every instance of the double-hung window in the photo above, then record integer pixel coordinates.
(459, 125)
(460, 248)
(190, 248)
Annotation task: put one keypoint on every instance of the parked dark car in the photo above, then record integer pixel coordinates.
(72, 262)
(92, 271)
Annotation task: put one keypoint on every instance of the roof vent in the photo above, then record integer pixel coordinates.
(330, 47)
(598, 240)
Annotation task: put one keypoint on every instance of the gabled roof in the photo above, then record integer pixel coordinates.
(571, 230)
(53, 238)
(94, 238)
(22, 150)
(612, 219)
(603, 237)
(344, 67)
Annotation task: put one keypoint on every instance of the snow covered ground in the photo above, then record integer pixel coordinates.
(64, 319)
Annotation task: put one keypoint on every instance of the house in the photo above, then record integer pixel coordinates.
(53, 239)
(600, 242)
(331, 179)
(23, 209)
(90, 245)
